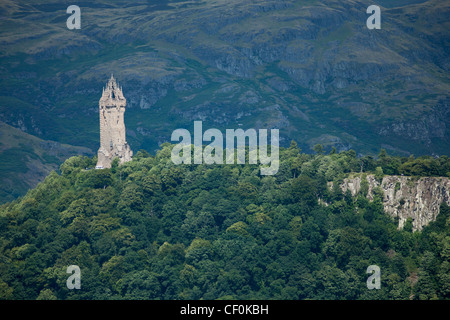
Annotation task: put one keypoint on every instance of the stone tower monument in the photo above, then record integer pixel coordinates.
(112, 127)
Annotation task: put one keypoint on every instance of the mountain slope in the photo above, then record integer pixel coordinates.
(310, 68)
(26, 160)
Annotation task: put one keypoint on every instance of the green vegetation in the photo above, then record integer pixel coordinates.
(149, 229)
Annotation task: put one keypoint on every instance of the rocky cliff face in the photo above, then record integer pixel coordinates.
(406, 197)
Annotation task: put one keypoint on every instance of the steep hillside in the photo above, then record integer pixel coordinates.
(310, 68)
(26, 160)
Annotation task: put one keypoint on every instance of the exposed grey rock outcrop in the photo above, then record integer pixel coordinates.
(406, 197)
(432, 125)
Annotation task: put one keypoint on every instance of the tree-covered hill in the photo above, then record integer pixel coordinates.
(148, 229)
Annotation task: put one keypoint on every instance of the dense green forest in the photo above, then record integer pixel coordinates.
(149, 229)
